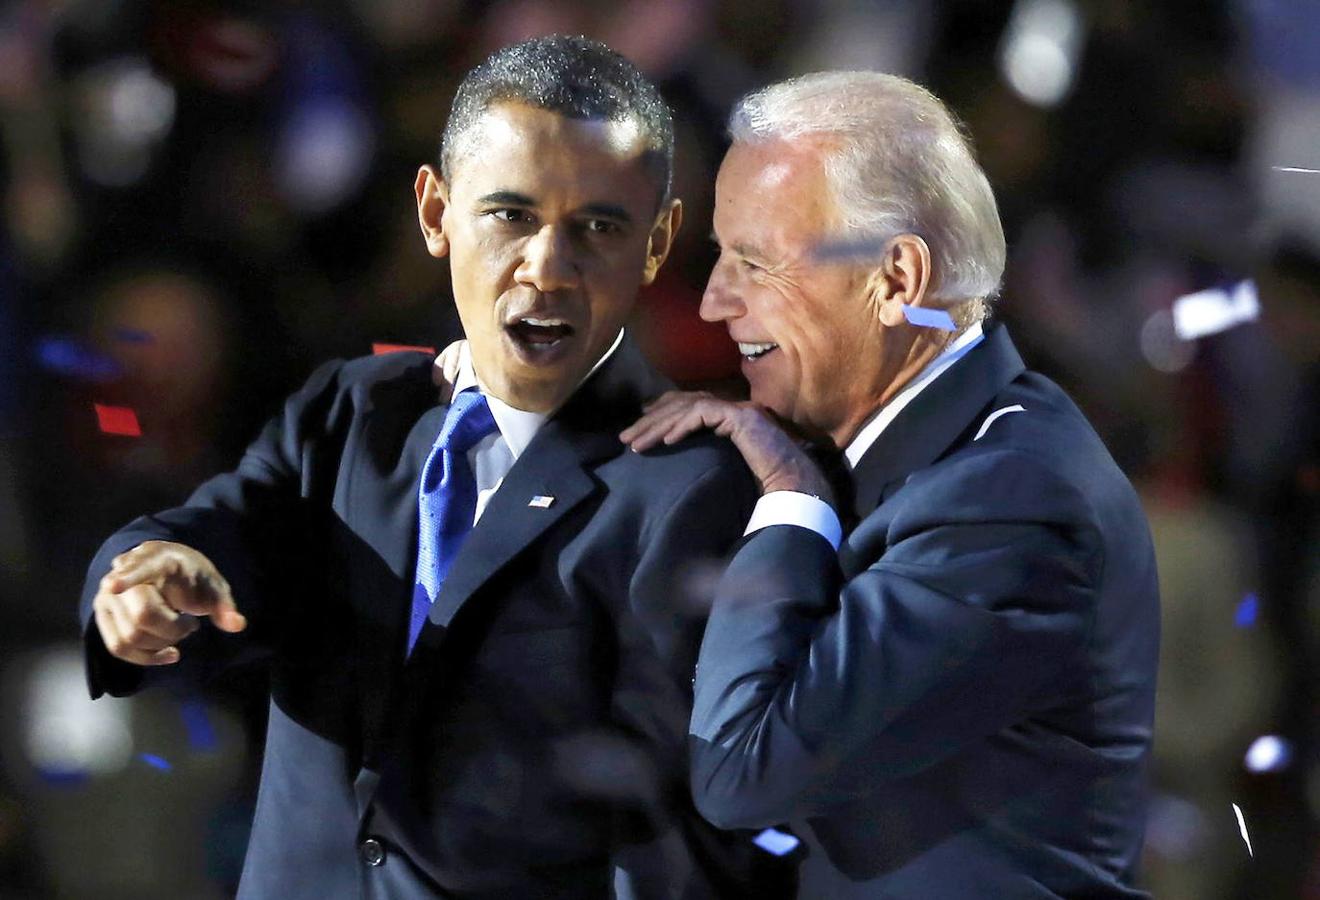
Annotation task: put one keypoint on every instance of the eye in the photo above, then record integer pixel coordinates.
(602, 226)
(510, 214)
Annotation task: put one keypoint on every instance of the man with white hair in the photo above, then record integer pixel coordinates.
(954, 698)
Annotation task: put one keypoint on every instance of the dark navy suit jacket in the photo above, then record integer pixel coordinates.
(959, 703)
(534, 743)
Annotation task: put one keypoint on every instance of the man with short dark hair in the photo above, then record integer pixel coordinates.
(480, 658)
(954, 698)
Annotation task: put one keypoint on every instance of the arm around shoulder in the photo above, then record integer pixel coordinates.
(813, 689)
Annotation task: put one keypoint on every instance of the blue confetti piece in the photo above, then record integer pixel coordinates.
(777, 842)
(63, 778)
(156, 762)
(849, 251)
(201, 734)
(68, 357)
(929, 318)
(133, 336)
(1245, 617)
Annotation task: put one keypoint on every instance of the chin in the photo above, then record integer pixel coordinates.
(777, 404)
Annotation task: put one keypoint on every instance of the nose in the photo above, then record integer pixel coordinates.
(548, 263)
(720, 300)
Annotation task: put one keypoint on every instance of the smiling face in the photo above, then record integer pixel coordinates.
(811, 337)
(550, 228)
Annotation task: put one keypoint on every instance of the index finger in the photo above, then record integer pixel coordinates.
(133, 568)
(646, 431)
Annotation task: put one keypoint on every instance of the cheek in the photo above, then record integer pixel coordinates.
(611, 290)
(483, 272)
(789, 321)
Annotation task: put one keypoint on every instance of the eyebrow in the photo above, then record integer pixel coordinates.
(747, 251)
(608, 211)
(744, 250)
(510, 198)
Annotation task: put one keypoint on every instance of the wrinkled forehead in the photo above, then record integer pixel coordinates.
(776, 184)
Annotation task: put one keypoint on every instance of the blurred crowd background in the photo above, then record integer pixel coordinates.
(201, 200)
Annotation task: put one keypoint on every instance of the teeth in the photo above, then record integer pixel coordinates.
(754, 350)
(542, 323)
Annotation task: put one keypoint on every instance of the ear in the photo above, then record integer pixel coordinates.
(902, 278)
(661, 239)
(432, 200)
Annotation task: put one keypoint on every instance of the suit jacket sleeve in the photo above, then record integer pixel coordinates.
(660, 635)
(812, 689)
(241, 520)
(683, 548)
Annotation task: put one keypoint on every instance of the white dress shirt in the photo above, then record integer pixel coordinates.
(793, 508)
(494, 455)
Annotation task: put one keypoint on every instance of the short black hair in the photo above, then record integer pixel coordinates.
(574, 77)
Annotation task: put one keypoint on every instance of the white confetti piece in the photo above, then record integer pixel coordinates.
(1242, 827)
(990, 419)
(1268, 753)
(1296, 169)
(774, 841)
(1214, 310)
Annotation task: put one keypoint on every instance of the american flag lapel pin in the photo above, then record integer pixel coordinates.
(541, 501)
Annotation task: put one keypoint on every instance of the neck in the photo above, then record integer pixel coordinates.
(919, 355)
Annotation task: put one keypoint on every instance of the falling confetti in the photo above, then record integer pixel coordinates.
(859, 250)
(378, 349)
(1245, 617)
(156, 762)
(929, 318)
(1242, 827)
(117, 420)
(777, 842)
(1296, 169)
(67, 357)
(201, 734)
(1268, 753)
(133, 336)
(63, 777)
(1215, 310)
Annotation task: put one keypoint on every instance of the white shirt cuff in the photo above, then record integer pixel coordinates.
(792, 508)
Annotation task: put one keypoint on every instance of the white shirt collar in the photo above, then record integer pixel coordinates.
(881, 418)
(517, 426)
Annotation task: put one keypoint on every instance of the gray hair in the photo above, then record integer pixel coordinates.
(897, 162)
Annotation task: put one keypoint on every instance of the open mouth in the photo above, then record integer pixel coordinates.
(539, 333)
(755, 351)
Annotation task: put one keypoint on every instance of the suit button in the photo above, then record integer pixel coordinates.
(373, 852)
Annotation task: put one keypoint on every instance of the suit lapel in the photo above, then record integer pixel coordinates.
(386, 498)
(928, 426)
(553, 466)
(557, 464)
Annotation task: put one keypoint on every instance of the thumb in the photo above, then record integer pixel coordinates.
(207, 595)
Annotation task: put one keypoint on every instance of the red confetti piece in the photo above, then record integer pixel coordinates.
(378, 349)
(117, 420)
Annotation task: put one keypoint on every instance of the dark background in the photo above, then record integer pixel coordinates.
(200, 201)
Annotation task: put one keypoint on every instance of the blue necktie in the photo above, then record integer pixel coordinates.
(446, 501)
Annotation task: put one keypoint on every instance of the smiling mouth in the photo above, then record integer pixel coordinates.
(755, 351)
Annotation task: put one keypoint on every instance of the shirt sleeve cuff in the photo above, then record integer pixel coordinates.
(792, 508)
